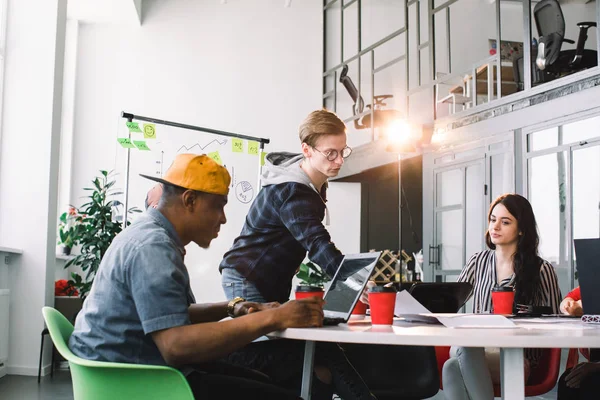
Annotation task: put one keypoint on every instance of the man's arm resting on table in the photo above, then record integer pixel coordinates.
(203, 342)
(213, 312)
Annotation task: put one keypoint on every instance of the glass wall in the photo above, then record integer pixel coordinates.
(563, 183)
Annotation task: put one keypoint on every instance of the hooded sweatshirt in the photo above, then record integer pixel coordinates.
(282, 225)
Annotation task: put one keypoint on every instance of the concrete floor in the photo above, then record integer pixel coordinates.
(14, 387)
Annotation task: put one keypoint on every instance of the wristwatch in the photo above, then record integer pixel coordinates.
(231, 305)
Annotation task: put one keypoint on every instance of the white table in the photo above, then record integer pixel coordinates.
(564, 333)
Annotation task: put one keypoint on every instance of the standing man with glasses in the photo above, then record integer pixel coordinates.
(283, 224)
(285, 220)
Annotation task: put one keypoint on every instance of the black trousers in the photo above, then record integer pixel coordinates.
(282, 360)
(221, 380)
(589, 388)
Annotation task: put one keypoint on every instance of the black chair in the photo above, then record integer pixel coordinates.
(44, 333)
(380, 116)
(69, 307)
(550, 61)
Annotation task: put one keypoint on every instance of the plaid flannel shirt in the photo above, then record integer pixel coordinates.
(283, 224)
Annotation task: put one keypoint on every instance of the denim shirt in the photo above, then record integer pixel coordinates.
(142, 286)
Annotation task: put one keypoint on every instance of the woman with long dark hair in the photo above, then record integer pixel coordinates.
(512, 260)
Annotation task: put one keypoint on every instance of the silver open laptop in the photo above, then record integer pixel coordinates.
(347, 285)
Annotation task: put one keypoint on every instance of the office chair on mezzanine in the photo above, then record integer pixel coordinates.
(380, 117)
(549, 61)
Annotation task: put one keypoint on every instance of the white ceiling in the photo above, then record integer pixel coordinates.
(104, 11)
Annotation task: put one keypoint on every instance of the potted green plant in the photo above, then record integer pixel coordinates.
(312, 279)
(68, 230)
(99, 226)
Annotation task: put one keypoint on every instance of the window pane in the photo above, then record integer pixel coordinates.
(333, 27)
(586, 194)
(449, 187)
(476, 214)
(379, 19)
(450, 239)
(501, 174)
(392, 81)
(547, 185)
(351, 31)
(543, 139)
(579, 131)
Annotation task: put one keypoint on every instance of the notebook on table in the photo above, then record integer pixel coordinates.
(347, 285)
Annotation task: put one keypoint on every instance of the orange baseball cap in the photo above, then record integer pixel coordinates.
(196, 172)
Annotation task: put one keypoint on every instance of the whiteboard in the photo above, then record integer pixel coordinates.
(168, 142)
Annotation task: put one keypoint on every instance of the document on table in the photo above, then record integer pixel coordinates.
(413, 311)
(406, 304)
(476, 321)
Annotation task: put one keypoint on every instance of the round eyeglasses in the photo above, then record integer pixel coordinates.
(332, 155)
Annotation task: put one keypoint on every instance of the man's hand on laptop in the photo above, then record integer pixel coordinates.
(300, 313)
(248, 307)
(364, 296)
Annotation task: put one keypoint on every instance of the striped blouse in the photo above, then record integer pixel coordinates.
(480, 272)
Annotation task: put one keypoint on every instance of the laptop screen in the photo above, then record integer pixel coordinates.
(587, 254)
(348, 283)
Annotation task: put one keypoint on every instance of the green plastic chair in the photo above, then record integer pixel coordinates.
(96, 380)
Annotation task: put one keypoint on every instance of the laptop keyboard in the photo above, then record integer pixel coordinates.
(329, 321)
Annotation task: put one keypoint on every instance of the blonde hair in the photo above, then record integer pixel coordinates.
(320, 123)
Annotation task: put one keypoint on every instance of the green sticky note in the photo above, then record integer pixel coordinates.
(253, 147)
(141, 144)
(262, 158)
(133, 127)
(125, 142)
(149, 131)
(237, 145)
(216, 156)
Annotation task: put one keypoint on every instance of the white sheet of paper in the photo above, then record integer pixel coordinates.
(476, 321)
(406, 304)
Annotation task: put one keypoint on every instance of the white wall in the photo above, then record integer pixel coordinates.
(29, 167)
(344, 206)
(251, 67)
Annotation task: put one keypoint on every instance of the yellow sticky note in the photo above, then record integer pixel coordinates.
(252, 147)
(149, 131)
(237, 145)
(125, 142)
(141, 144)
(133, 127)
(262, 158)
(216, 156)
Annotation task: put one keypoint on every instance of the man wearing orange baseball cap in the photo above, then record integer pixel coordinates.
(141, 309)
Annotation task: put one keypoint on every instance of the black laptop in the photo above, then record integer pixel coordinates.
(587, 255)
(441, 297)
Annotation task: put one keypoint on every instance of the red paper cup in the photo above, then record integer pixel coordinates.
(503, 298)
(360, 308)
(382, 301)
(303, 292)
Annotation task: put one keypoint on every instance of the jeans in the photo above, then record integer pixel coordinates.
(236, 285)
(466, 375)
